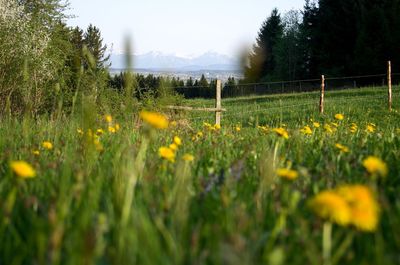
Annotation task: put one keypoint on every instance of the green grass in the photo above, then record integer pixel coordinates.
(126, 205)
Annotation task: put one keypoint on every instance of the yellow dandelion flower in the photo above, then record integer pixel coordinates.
(177, 141)
(342, 148)
(306, 130)
(375, 166)
(353, 128)
(339, 116)
(328, 128)
(316, 124)
(199, 134)
(108, 118)
(173, 147)
(332, 207)
(264, 129)
(117, 127)
(188, 157)
(100, 131)
(22, 169)
(112, 129)
(208, 126)
(167, 153)
(363, 206)
(36, 152)
(370, 128)
(154, 119)
(217, 127)
(238, 129)
(287, 173)
(281, 132)
(47, 145)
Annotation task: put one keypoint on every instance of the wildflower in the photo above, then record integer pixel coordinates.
(287, 174)
(263, 128)
(197, 136)
(36, 152)
(363, 207)
(156, 120)
(22, 169)
(112, 129)
(375, 166)
(208, 126)
(188, 157)
(339, 116)
(342, 148)
(331, 206)
(281, 132)
(100, 131)
(237, 128)
(117, 127)
(47, 145)
(177, 141)
(353, 128)
(316, 124)
(167, 153)
(371, 127)
(217, 127)
(328, 128)
(173, 147)
(108, 118)
(306, 130)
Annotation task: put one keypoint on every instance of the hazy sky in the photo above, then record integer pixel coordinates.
(184, 27)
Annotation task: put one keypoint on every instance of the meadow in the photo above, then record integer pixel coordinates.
(277, 183)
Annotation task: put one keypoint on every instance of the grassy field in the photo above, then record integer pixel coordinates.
(262, 189)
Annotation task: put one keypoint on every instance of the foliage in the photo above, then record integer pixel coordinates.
(359, 43)
(263, 61)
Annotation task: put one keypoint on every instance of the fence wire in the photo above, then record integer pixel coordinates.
(253, 99)
(287, 87)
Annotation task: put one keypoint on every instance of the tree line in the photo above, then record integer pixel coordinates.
(332, 37)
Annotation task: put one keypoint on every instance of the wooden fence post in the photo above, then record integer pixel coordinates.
(321, 99)
(389, 81)
(218, 103)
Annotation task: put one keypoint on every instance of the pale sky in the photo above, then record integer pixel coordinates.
(183, 27)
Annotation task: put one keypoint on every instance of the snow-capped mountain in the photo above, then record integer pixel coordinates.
(158, 60)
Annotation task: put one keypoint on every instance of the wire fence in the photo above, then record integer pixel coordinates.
(310, 85)
(267, 98)
(286, 87)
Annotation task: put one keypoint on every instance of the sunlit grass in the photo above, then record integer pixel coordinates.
(211, 195)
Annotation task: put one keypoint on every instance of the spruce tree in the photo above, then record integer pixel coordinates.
(94, 43)
(307, 41)
(262, 60)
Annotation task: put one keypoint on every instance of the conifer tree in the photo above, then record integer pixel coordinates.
(94, 43)
(262, 61)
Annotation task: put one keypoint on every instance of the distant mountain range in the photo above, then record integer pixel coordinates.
(160, 61)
